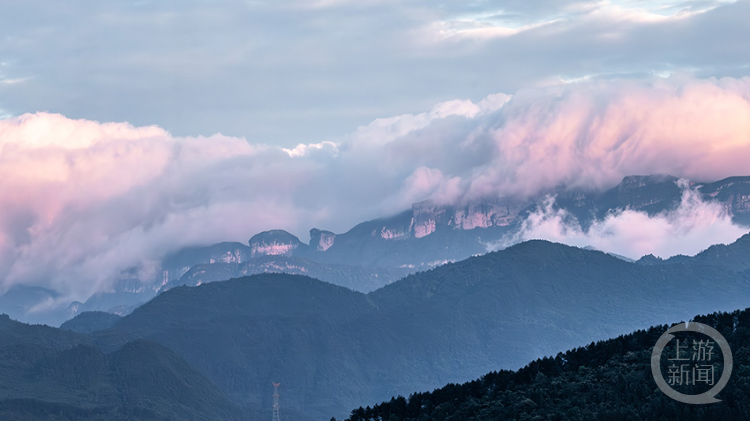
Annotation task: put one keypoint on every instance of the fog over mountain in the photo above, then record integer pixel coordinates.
(632, 233)
(86, 203)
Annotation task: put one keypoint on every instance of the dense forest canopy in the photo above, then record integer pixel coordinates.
(606, 380)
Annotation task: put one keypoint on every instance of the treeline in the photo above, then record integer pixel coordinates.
(607, 380)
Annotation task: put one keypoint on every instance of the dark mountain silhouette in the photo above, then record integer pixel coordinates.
(357, 278)
(333, 348)
(53, 374)
(211, 351)
(732, 256)
(90, 321)
(606, 380)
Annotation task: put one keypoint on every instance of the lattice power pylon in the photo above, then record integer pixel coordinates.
(276, 401)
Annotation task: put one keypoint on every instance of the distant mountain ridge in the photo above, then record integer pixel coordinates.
(53, 374)
(331, 346)
(733, 256)
(354, 277)
(429, 234)
(213, 350)
(378, 252)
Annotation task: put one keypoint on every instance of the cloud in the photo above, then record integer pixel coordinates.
(285, 73)
(592, 134)
(587, 135)
(686, 230)
(85, 202)
(478, 29)
(326, 148)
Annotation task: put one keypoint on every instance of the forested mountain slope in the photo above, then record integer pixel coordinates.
(331, 347)
(608, 380)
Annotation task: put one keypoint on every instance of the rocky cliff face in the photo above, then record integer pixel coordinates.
(321, 240)
(489, 213)
(453, 232)
(176, 264)
(273, 243)
(427, 217)
(733, 193)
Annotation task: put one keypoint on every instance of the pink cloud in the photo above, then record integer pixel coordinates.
(595, 133)
(81, 201)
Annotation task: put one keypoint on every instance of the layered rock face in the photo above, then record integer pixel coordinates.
(427, 217)
(321, 240)
(273, 243)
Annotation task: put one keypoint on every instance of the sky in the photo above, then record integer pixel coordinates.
(131, 128)
(289, 72)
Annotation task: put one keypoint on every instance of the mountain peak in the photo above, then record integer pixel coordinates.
(636, 181)
(273, 243)
(321, 240)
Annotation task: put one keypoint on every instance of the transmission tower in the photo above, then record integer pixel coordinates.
(276, 401)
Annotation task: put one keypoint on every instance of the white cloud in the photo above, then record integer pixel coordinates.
(486, 25)
(384, 130)
(13, 81)
(304, 150)
(687, 230)
(473, 29)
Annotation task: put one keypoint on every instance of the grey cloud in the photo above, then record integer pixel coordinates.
(285, 73)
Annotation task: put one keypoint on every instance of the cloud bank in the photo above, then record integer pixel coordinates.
(83, 201)
(686, 230)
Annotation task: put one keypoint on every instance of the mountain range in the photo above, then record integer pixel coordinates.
(378, 252)
(382, 319)
(54, 374)
(334, 349)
